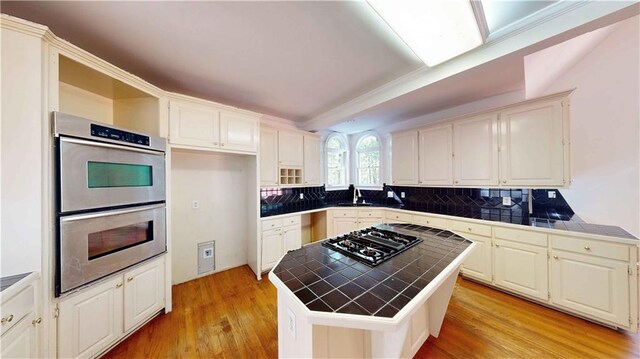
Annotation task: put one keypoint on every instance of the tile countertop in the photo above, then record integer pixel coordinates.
(511, 216)
(327, 281)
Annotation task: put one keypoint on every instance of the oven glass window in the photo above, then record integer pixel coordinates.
(116, 239)
(106, 174)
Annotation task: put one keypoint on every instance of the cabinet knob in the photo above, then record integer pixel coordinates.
(428, 222)
(555, 257)
(215, 143)
(222, 144)
(497, 245)
(37, 321)
(129, 279)
(504, 181)
(7, 319)
(118, 285)
(456, 181)
(469, 228)
(587, 248)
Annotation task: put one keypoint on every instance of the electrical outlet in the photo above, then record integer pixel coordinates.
(291, 325)
(301, 195)
(195, 204)
(551, 194)
(506, 201)
(389, 194)
(401, 194)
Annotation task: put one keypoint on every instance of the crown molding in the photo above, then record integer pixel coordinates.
(538, 30)
(23, 26)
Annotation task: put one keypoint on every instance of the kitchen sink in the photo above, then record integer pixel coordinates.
(350, 204)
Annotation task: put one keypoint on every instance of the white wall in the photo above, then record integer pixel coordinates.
(219, 182)
(21, 151)
(605, 131)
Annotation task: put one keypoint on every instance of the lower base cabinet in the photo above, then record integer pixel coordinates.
(478, 263)
(521, 268)
(344, 225)
(278, 237)
(92, 320)
(21, 341)
(593, 286)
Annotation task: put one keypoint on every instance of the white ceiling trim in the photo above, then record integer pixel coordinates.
(556, 20)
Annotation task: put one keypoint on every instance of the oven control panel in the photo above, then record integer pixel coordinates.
(119, 135)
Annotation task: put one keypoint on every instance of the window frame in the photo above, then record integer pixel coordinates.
(357, 152)
(345, 165)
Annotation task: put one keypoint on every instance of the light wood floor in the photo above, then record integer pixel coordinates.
(230, 314)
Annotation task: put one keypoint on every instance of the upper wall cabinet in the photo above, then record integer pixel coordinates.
(435, 153)
(312, 159)
(208, 127)
(475, 154)
(404, 158)
(268, 157)
(534, 150)
(290, 149)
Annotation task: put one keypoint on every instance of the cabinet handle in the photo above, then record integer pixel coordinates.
(555, 257)
(118, 285)
(129, 279)
(587, 248)
(7, 319)
(36, 321)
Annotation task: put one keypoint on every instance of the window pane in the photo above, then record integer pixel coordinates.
(335, 159)
(334, 143)
(368, 142)
(335, 177)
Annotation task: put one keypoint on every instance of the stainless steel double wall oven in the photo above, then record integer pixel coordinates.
(110, 205)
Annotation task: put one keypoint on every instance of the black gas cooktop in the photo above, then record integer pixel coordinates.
(372, 246)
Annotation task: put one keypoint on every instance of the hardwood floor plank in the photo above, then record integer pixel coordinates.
(231, 315)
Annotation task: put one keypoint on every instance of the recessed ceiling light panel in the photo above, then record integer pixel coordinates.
(436, 30)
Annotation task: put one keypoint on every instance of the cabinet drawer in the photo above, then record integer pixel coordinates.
(467, 227)
(430, 221)
(516, 235)
(395, 216)
(589, 246)
(373, 213)
(268, 224)
(288, 221)
(17, 307)
(344, 213)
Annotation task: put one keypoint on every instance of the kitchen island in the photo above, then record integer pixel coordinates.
(332, 305)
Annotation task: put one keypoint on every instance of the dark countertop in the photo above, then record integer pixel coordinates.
(6, 282)
(514, 215)
(327, 281)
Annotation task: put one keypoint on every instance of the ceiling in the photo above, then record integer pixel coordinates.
(301, 61)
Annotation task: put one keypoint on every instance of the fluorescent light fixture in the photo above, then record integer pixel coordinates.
(436, 30)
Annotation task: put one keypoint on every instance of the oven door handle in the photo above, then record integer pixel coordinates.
(116, 212)
(108, 145)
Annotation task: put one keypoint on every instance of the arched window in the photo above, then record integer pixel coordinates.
(336, 149)
(368, 161)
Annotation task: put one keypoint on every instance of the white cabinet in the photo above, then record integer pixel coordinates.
(344, 225)
(521, 268)
(475, 153)
(404, 158)
(435, 156)
(21, 322)
(143, 293)
(194, 125)
(271, 248)
(21, 340)
(92, 320)
(268, 157)
(478, 264)
(279, 236)
(290, 149)
(209, 127)
(238, 132)
(312, 163)
(291, 238)
(533, 144)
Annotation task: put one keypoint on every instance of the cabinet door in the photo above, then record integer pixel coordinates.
(291, 238)
(521, 268)
(404, 158)
(532, 150)
(436, 151)
(268, 157)
(478, 264)
(143, 293)
(238, 132)
(594, 286)
(290, 149)
(21, 340)
(194, 125)
(271, 248)
(312, 152)
(368, 222)
(475, 151)
(91, 321)
(344, 225)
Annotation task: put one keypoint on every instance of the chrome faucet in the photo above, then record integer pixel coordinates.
(356, 194)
